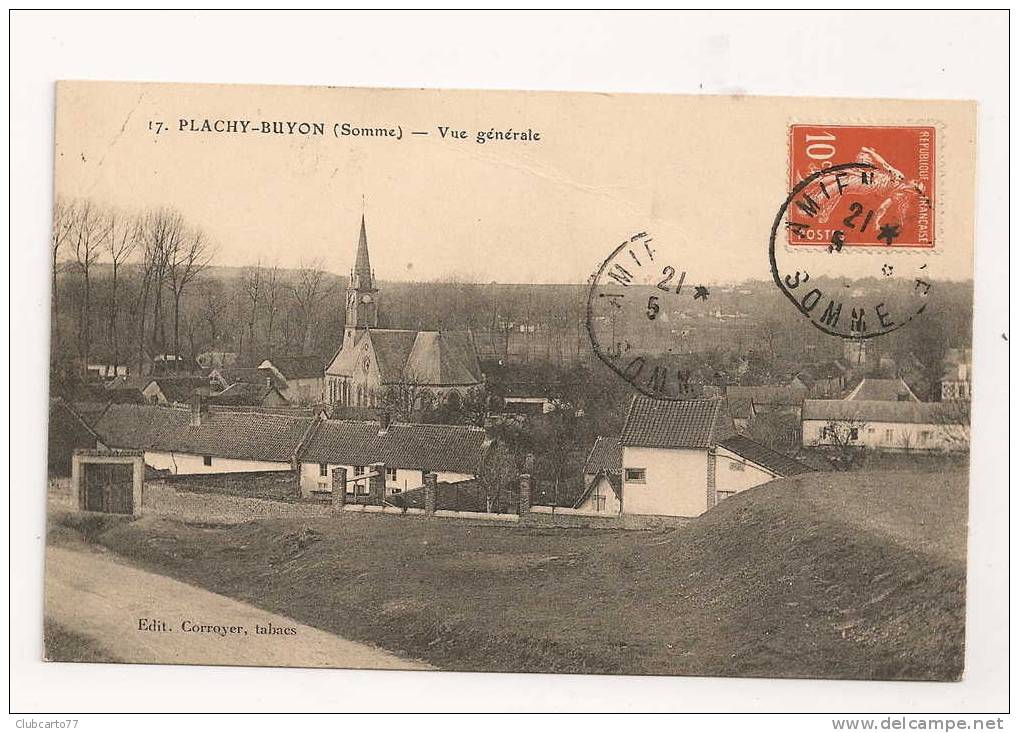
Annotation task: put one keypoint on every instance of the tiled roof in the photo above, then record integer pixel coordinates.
(180, 389)
(875, 411)
(447, 448)
(889, 390)
(298, 366)
(652, 423)
(246, 435)
(250, 375)
(769, 394)
(741, 407)
(606, 455)
(762, 455)
(242, 393)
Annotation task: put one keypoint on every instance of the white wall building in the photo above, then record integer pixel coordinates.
(408, 450)
(681, 457)
(882, 425)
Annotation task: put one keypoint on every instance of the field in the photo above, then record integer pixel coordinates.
(857, 575)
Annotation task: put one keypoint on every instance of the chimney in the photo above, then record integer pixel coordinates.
(431, 492)
(268, 381)
(198, 409)
(384, 421)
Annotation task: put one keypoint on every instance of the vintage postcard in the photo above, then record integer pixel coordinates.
(510, 381)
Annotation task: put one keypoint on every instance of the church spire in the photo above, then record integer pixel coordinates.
(361, 277)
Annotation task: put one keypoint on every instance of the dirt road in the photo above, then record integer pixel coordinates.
(102, 598)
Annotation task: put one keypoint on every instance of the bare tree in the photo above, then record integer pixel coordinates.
(162, 232)
(273, 293)
(840, 437)
(212, 305)
(63, 223)
(252, 285)
(952, 418)
(90, 233)
(191, 254)
(120, 245)
(309, 289)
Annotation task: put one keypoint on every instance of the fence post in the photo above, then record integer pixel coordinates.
(339, 488)
(377, 484)
(431, 492)
(526, 487)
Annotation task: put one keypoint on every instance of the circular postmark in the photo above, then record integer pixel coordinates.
(641, 303)
(851, 278)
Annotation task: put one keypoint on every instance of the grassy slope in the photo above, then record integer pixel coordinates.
(63, 645)
(833, 575)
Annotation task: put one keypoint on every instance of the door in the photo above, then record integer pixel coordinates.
(109, 487)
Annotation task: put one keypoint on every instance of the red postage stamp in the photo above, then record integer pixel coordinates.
(879, 191)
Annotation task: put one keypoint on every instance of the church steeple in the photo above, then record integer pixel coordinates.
(362, 305)
(361, 277)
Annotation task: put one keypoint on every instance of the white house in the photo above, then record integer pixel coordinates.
(955, 382)
(883, 425)
(409, 451)
(681, 457)
(195, 441)
(302, 376)
(603, 470)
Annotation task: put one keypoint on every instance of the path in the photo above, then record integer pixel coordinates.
(102, 598)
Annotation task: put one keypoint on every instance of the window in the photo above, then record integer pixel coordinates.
(206, 460)
(323, 469)
(925, 435)
(391, 474)
(889, 435)
(599, 502)
(854, 433)
(737, 466)
(636, 475)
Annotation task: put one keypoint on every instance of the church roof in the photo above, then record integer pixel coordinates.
(445, 358)
(432, 358)
(361, 277)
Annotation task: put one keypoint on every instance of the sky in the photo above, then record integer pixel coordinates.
(704, 175)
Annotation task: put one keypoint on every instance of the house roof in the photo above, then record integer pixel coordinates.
(65, 420)
(250, 375)
(874, 411)
(244, 435)
(392, 350)
(741, 408)
(243, 393)
(653, 423)
(769, 394)
(890, 390)
(606, 455)
(446, 448)
(180, 389)
(298, 366)
(778, 463)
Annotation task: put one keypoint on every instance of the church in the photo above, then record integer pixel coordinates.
(410, 366)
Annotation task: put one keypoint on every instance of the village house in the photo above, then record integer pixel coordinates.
(246, 394)
(603, 471)
(173, 390)
(68, 430)
(772, 398)
(454, 453)
(681, 457)
(884, 390)
(884, 425)
(302, 375)
(196, 440)
(103, 364)
(416, 366)
(955, 380)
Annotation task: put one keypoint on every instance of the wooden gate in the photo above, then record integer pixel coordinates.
(109, 487)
